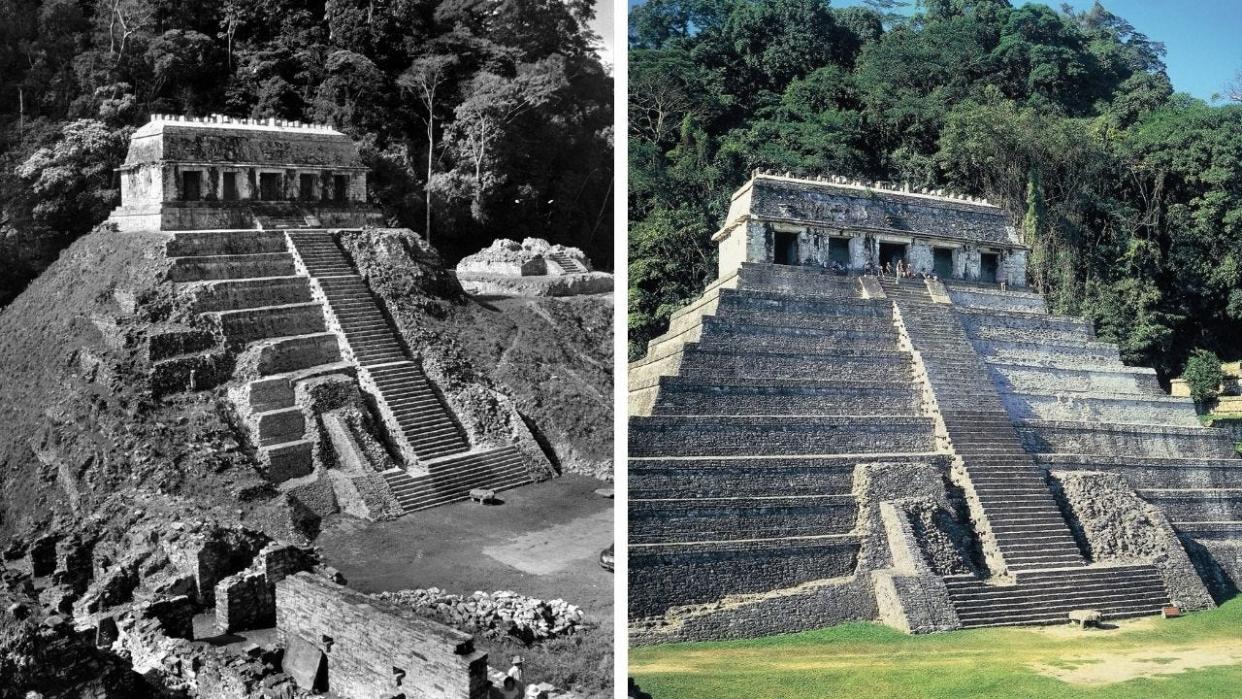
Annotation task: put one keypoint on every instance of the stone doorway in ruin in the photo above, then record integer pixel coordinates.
(786, 249)
(839, 251)
(229, 185)
(306, 187)
(892, 253)
(192, 185)
(989, 265)
(942, 262)
(271, 185)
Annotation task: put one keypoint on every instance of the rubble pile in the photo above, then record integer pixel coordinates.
(497, 613)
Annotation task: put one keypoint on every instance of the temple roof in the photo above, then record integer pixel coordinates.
(227, 141)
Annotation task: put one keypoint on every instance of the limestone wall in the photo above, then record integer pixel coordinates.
(374, 649)
(1115, 380)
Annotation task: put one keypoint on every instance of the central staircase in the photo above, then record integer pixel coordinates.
(1014, 508)
(418, 420)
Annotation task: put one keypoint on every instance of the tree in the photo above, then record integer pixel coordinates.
(425, 78)
(73, 179)
(1233, 90)
(1203, 375)
(491, 105)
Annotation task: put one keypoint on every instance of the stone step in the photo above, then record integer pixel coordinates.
(216, 243)
(471, 469)
(719, 363)
(279, 355)
(742, 477)
(736, 518)
(238, 294)
(247, 325)
(213, 267)
(734, 435)
(694, 396)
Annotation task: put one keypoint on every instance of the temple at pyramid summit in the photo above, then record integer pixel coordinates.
(276, 311)
(216, 173)
(813, 441)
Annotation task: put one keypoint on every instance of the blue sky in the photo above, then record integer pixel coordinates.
(1202, 36)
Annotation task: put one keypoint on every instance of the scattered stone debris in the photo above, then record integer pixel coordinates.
(497, 613)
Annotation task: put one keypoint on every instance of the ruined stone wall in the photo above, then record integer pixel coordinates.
(815, 605)
(373, 649)
(690, 573)
(1117, 526)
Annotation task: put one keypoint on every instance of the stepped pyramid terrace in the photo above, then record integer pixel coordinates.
(276, 311)
(812, 443)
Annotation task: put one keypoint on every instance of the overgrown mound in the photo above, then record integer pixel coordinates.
(80, 424)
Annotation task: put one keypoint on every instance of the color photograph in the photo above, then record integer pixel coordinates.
(933, 328)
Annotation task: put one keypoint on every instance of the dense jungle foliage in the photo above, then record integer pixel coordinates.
(499, 109)
(1129, 194)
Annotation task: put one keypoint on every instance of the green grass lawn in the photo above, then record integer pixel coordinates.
(1197, 656)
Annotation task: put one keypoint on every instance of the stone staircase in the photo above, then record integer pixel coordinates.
(1047, 596)
(1013, 506)
(452, 478)
(418, 420)
(566, 263)
(1014, 501)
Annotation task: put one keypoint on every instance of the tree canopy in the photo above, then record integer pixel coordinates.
(495, 115)
(1128, 194)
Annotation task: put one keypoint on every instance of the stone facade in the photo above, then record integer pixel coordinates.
(363, 648)
(188, 173)
(821, 222)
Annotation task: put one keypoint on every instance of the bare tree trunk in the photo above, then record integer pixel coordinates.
(431, 150)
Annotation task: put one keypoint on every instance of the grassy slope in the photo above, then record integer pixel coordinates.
(864, 661)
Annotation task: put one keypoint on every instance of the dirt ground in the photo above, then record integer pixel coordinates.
(544, 540)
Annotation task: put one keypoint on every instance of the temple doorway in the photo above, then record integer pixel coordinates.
(839, 251)
(989, 266)
(786, 250)
(192, 185)
(271, 185)
(229, 181)
(942, 262)
(892, 253)
(306, 187)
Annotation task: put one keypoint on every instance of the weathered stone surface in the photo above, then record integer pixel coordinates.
(1118, 526)
(491, 284)
(373, 648)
